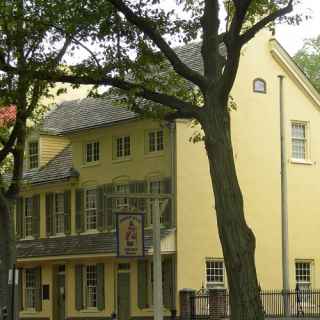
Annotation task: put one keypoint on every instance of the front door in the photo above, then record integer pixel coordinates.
(123, 295)
(61, 295)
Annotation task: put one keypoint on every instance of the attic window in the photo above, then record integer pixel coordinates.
(33, 153)
(259, 85)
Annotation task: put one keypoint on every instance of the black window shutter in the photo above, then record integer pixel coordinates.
(36, 216)
(67, 212)
(100, 287)
(100, 208)
(19, 218)
(38, 300)
(20, 292)
(79, 287)
(110, 219)
(143, 284)
(167, 214)
(49, 213)
(168, 283)
(79, 210)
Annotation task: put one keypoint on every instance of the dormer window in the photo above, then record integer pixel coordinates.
(259, 85)
(33, 154)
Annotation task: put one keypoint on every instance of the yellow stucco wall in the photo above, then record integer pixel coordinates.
(256, 141)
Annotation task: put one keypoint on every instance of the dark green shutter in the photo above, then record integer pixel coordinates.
(20, 292)
(168, 270)
(79, 286)
(167, 214)
(67, 212)
(19, 218)
(100, 287)
(143, 284)
(110, 220)
(38, 297)
(79, 210)
(100, 208)
(49, 213)
(36, 216)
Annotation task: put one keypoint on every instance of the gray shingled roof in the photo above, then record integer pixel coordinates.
(77, 115)
(57, 169)
(103, 243)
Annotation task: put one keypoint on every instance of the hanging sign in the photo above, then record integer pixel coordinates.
(130, 235)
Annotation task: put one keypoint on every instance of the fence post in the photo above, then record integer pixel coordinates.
(186, 303)
(217, 304)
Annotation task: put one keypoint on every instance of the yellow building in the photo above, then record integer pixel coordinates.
(87, 150)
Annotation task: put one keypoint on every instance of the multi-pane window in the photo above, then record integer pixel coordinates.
(33, 155)
(214, 272)
(59, 214)
(30, 289)
(123, 147)
(121, 203)
(155, 141)
(91, 209)
(27, 223)
(92, 151)
(303, 274)
(299, 140)
(91, 286)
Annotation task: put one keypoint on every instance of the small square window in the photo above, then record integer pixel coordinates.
(259, 85)
(33, 153)
(92, 152)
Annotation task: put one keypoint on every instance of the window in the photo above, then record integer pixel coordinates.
(123, 147)
(28, 230)
(91, 209)
(59, 214)
(259, 85)
(155, 186)
(33, 153)
(155, 141)
(303, 274)
(92, 152)
(121, 203)
(30, 289)
(91, 286)
(214, 272)
(299, 140)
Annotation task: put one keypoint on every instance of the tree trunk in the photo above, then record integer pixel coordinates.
(7, 249)
(237, 239)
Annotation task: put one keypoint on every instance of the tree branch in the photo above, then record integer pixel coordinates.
(147, 27)
(248, 35)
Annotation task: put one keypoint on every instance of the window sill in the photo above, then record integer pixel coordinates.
(93, 231)
(60, 235)
(91, 310)
(155, 154)
(27, 238)
(90, 164)
(121, 160)
(27, 312)
(301, 161)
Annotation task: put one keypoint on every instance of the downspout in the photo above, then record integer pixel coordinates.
(284, 198)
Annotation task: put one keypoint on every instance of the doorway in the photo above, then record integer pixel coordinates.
(60, 294)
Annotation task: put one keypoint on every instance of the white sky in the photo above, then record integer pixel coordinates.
(291, 37)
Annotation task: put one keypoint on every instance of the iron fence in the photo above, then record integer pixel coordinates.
(300, 304)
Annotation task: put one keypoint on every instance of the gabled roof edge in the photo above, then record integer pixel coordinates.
(282, 56)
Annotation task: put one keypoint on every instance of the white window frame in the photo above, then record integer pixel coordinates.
(305, 283)
(59, 215)
(121, 204)
(33, 158)
(29, 292)
(94, 154)
(28, 217)
(158, 142)
(305, 140)
(214, 283)
(155, 189)
(90, 290)
(119, 147)
(90, 212)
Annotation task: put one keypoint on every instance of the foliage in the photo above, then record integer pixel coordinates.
(308, 59)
